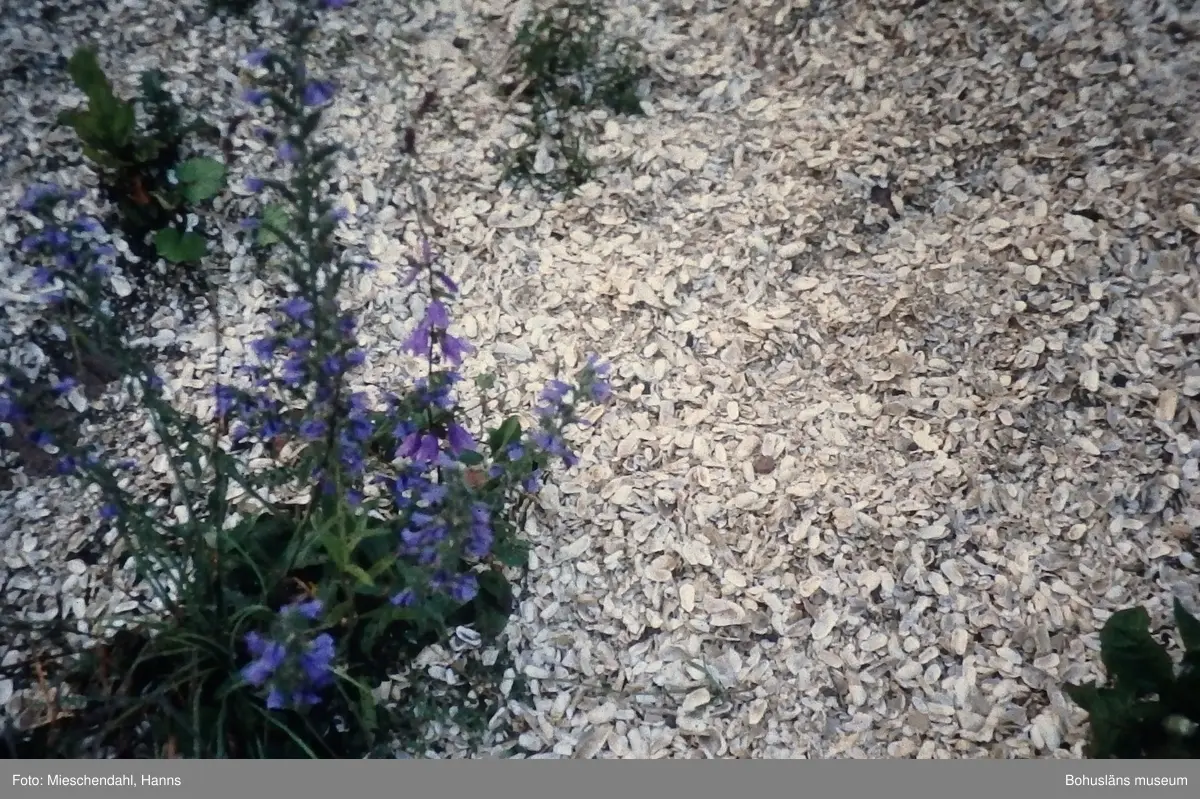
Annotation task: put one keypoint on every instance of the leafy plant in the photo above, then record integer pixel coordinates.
(318, 537)
(1149, 708)
(140, 166)
(566, 65)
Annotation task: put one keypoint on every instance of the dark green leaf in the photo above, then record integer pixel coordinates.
(179, 247)
(1133, 658)
(121, 121)
(511, 552)
(470, 457)
(1085, 695)
(1189, 628)
(274, 218)
(509, 432)
(201, 178)
(85, 71)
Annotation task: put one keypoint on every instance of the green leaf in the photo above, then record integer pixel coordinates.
(485, 381)
(1085, 695)
(512, 552)
(201, 178)
(470, 457)
(1189, 628)
(120, 122)
(86, 73)
(508, 433)
(1133, 658)
(493, 605)
(274, 217)
(360, 575)
(179, 247)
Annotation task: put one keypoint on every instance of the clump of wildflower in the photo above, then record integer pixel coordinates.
(293, 667)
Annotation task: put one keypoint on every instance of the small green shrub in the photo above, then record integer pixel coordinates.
(567, 67)
(140, 165)
(1148, 708)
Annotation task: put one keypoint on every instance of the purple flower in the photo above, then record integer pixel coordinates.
(404, 599)
(226, 398)
(65, 385)
(42, 277)
(596, 367)
(479, 544)
(318, 92)
(255, 184)
(296, 307)
(36, 193)
(454, 348)
(335, 5)
(254, 97)
(428, 450)
(256, 58)
(458, 438)
(108, 511)
(249, 223)
(269, 656)
(355, 358)
(554, 392)
(263, 348)
(450, 285)
(315, 663)
(436, 316)
(309, 609)
(288, 152)
(599, 391)
(275, 699)
(464, 588)
(418, 341)
(312, 429)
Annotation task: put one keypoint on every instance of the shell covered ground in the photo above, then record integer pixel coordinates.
(903, 308)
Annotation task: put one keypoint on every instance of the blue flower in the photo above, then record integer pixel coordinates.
(65, 385)
(309, 609)
(263, 348)
(464, 588)
(296, 308)
(599, 391)
(404, 599)
(256, 58)
(312, 429)
(315, 663)
(418, 341)
(458, 438)
(288, 152)
(269, 656)
(454, 348)
(226, 399)
(554, 392)
(254, 97)
(36, 193)
(335, 5)
(108, 511)
(255, 184)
